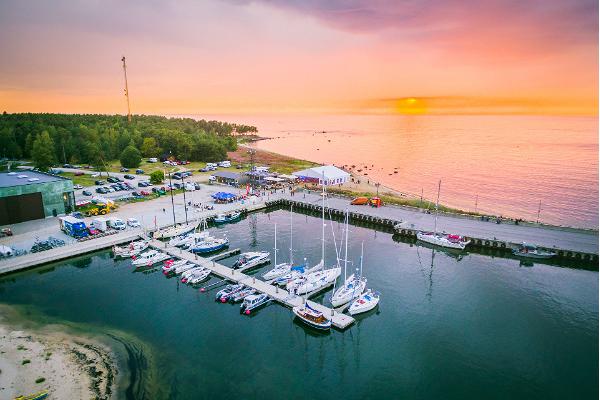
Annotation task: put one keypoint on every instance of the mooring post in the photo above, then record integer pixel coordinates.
(332, 312)
(253, 279)
(232, 272)
(276, 289)
(196, 255)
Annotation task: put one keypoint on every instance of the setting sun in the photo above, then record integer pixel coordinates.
(411, 106)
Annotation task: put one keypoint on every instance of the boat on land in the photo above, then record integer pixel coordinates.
(241, 295)
(312, 317)
(198, 276)
(223, 294)
(284, 268)
(532, 251)
(210, 245)
(228, 217)
(252, 259)
(172, 231)
(365, 302)
(132, 249)
(254, 302)
(442, 239)
(36, 396)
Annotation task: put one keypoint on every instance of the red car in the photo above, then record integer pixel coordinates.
(145, 193)
(93, 231)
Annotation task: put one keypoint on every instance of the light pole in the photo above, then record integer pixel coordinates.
(172, 201)
(377, 186)
(184, 201)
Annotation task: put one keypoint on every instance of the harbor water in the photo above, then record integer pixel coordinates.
(448, 326)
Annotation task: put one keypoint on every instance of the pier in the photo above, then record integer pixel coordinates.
(339, 320)
(568, 243)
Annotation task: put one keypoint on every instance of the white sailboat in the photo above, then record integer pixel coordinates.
(442, 239)
(318, 278)
(354, 284)
(284, 268)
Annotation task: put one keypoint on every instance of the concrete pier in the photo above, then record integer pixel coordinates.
(339, 320)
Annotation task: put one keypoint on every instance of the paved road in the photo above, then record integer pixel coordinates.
(568, 239)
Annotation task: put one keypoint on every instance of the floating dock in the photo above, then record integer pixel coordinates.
(339, 320)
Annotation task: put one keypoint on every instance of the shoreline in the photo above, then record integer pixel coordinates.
(359, 186)
(50, 357)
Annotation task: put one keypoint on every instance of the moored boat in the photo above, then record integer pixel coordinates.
(132, 249)
(172, 231)
(365, 302)
(252, 259)
(198, 276)
(170, 265)
(210, 245)
(314, 282)
(223, 294)
(241, 295)
(532, 251)
(228, 217)
(312, 317)
(254, 302)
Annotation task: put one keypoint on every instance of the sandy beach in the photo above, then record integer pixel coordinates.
(67, 366)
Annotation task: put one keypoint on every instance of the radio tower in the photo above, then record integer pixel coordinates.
(126, 90)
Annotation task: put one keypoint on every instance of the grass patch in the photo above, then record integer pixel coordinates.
(25, 362)
(21, 347)
(83, 180)
(40, 380)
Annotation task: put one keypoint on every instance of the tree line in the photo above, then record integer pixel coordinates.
(94, 139)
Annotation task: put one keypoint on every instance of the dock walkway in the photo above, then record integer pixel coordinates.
(339, 320)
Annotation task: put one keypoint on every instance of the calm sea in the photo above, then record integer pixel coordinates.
(447, 327)
(503, 165)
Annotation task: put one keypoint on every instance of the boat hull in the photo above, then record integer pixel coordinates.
(441, 241)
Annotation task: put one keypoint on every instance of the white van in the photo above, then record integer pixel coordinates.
(100, 224)
(225, 164)
(153, 159)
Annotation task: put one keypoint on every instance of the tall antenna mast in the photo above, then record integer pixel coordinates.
(126, 90)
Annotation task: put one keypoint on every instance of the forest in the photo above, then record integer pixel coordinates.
(94, 139)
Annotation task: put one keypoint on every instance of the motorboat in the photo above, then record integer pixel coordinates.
(312, 317)
(444, 240)
(254, 302)
(192, 239)
(241, 295)
(314, 282)
(142, 258)
(186, 274)
(170, 265)
(365, 302)
(183, 268)
(532, 251)
(210, 245)
(353, 287)
(223, 294)
(198, 276)
(252, 259)
(133, 249)
(149, 261)
(228, 217)
(172, 231)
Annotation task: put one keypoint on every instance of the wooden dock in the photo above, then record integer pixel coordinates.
(338, 320)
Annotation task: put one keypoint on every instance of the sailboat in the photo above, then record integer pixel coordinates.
(442, 239)
(353, 285)
(317, 278)
(284, 268)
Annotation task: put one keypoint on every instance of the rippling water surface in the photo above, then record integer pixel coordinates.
(507, 164)
(447, 327)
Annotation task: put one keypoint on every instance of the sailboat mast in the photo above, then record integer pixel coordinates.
(323, 232)
(437, 205)
(275, 248)
(362, 246)
(291, 235)
(346, 251)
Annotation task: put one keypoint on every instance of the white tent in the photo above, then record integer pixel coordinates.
(327, 174)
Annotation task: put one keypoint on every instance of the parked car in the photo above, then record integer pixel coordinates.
(77, 215)
(153, 160)
(132, 222)
(78, 173)
(145, 193)
(136, 194)
(113, 179)
(95, 175)
(101, 190)
(77, 187)
(139, 171)
(129, 176)
(123, 169)
(100, 183)
(176, 175)
(93, 231)
(86, 193)
(204, 169)
(68, 166)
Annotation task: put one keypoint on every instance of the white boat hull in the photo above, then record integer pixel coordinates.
(441, 240)
(352, 289)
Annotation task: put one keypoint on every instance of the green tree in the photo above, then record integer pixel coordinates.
(131, 157)
(42, 151)
(157, 177)
(150, 147)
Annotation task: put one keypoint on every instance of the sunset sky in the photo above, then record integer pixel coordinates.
(278, 56)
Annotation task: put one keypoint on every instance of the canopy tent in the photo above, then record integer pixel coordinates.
(327, 174)
(290, 178)
(274, 179)
(223, 196)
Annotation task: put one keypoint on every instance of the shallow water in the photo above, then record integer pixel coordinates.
(503, 165)
(478, 327)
